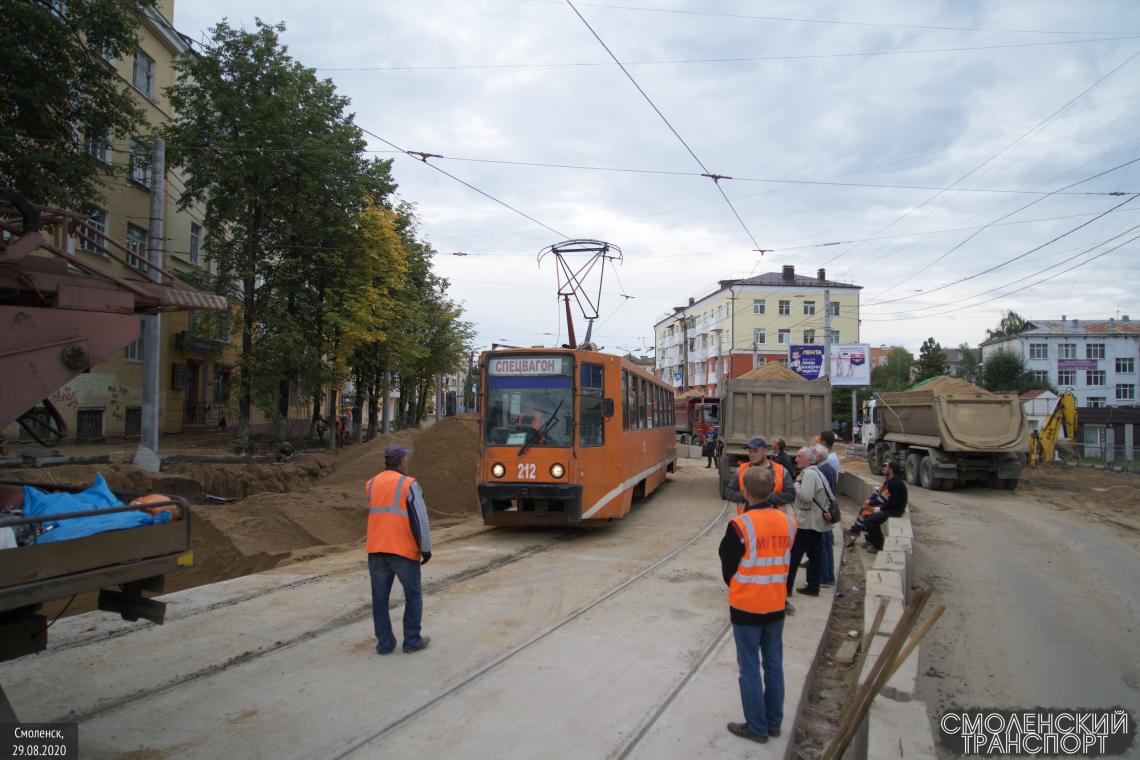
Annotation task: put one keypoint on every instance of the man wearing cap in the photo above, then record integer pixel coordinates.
(783, 488)
(398, 542)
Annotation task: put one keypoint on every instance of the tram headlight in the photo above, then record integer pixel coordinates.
(498, 470)
(557, 470)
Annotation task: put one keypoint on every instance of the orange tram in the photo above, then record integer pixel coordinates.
(569, 437)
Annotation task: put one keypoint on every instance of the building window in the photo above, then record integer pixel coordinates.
(1040, 375)
(1126, 366)
(100, 147)
(140, 164)
(1067, 350)
(785, 308)
(196, 244)
(758, 306)
(94, 242)
(143, 74)
(1125, 392)
(758, 336)
(835, 308)
(136, 244)
(134, 350)
(809, 308)
(1094, 351)
(1096, 402)
(1066, 377)
(834, 336)
(809, 336)
(785, 337)
(1094, 377)
(1038, 350)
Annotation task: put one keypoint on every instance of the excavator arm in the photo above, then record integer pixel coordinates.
(1062, 419)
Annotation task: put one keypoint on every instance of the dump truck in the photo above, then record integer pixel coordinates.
(944, 439)
(795, 410)
(694, 416)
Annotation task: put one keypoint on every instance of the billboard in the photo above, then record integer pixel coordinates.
(807, 360)
(850, 364)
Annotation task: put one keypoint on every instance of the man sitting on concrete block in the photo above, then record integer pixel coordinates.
(893, 504)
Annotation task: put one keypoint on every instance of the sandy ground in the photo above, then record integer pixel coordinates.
(1042, 589)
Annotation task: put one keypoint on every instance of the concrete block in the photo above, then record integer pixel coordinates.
(902, 685)
(899, 544)
(898, 731)
(899, 526)
(897, 561)
(847, 651)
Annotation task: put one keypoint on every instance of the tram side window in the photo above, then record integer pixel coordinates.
(591, 430)
(672, 409)
(642, 402)
(625, 400)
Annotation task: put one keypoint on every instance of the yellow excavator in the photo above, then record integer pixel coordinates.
(1044, 442)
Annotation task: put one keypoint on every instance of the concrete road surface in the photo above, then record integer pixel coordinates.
(545, 643)
(1043, 604)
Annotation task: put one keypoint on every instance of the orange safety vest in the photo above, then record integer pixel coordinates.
(389, 529)
(760, 582)
(777, 480)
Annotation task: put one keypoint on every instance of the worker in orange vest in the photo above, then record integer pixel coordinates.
(398, 542)
(783, 487)
(755, 558)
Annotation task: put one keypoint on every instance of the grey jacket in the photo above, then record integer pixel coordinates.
(811, 500)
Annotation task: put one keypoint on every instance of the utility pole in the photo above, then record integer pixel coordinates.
(827, 332)
(146, 456)
(732, 327)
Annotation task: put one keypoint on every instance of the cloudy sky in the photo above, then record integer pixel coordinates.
(928, 152)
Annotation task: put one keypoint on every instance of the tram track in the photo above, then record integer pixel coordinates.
(178, 616)
(355, 615)
(355, 744)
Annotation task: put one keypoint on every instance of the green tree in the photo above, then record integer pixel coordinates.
(894, 374)
(57, 91)
(1011, 323)
(279, 165)
(969, 362)
(931, 360)
(1006, 371)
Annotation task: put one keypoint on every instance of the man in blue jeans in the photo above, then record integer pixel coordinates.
(754, 557)
(398, 542)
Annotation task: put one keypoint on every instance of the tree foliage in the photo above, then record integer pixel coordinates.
(1011, 324)
(931, 360)
(1006, 371)
(280, 168)
(969, 362)
(894, 374)
(57, 90)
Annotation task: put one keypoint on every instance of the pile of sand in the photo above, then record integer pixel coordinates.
(772, 371)
(944, 385)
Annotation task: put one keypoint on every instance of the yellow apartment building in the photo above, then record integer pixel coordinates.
(741, 324)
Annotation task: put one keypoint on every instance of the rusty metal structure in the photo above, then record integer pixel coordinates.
(60, 315)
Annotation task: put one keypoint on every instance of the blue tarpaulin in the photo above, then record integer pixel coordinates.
(40, 504)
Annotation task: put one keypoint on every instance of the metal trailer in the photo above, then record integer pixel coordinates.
(795, 410)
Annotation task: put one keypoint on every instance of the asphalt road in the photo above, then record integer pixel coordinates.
(1043, 604)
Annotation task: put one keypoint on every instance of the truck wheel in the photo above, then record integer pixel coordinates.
(874, 463)
(946, 484)
(913, 462)
(926, 475)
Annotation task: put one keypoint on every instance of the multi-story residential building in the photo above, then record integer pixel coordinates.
(196, 365)
(1095, 359)
(743, 323)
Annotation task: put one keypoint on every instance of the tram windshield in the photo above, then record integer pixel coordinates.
(525, 406)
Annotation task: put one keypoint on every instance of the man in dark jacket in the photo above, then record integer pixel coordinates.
(894, 505)
(781, 456)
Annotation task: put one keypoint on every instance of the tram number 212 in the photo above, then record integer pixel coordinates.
(528, 471)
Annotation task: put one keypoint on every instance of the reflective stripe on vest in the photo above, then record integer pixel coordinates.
(389, 526)
(777, 480)
(759, 584)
